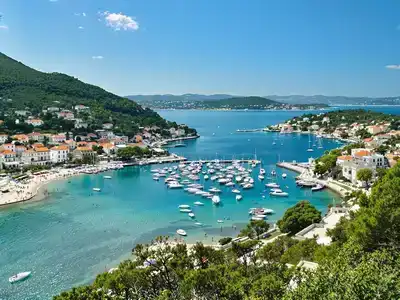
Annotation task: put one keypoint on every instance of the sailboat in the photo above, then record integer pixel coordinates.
(310, 149)
(320, 144)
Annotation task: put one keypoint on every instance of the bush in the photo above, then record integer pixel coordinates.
(225, 240)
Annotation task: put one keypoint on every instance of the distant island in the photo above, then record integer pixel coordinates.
(223, 103)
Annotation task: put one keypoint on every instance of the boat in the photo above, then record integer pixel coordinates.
(318, 187)
(236, 191)
(175, 185)
(279, 194)
(198, 203)
(284, 175)
(181, 232)
(107, 177)
(185, 210)
(261, 177)
(262, 171)
(223, 180)
(214, 190)
(276, 190)
(198, 224)
(238, 178)
(220, 221)
(216, 200)
(257, 219)
(310, 149)
(206, 177)
(272, 185)
(19, 277)
(191, 215)
(273, 173)
(239, 197)
(305, 183)
(184, 206)
(96, 189)
(230, 184)
(248, 186)
(156, 178)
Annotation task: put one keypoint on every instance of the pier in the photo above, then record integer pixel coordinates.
(223, 161)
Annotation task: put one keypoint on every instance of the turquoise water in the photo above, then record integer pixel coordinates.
(74, 234)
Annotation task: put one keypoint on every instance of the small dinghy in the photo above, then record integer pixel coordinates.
(96, 189)
(19, 277)
(181, 232)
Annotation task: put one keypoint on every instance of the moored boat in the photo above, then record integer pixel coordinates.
(19, 277)
(279, 194)
(181, 232)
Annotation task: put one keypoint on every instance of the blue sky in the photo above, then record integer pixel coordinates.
(242, 47)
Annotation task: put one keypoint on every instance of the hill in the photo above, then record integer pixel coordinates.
(25, 88)
(242, 102)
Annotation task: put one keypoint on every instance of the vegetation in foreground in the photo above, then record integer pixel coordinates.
(363, 262)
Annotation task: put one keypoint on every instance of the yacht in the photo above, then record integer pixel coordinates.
(230, 184)
(191, 215)
(318, 187)
(273, 173)
(236, 191)
(248, 186)
(238, 197)
(284, 175)
(184, 206)
(175, 185)
(206, 177)
(279, 194)
(261, 177)
(155, 178)
(223, 180)
(220, 221)
(276, 190)
(198, 203)
(216, 200)
(181, 232)
(107, 177)
(272, 185)
(214, 190)
(19, 277)
(96, 189)
(310, 149)
(185, 210)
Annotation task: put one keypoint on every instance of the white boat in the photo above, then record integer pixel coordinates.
(175, 185)
(236, 191)
(239, 197)
(216, 200)
(262, 171)
(318, 187)
(276, 190)
(273, 173)
(257, 219)
(214, 190)
(284, 175)
(223, 180)
(214, 178)
(198, 203)
(181, 232)
(261, 177)
(248, 186)
(185, 210)
(19, 277)
(156, 178)
(96, 189)
(107, 177)
(220, 221)
(184, 206)
(279, 194)
(206, 177)
(238, 178)
(191, 215)
(272, 185)
(230, 184)
(198, 224)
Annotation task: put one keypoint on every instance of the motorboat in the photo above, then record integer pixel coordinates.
(183, 206)
(155, 178)
(262, 171)
(223, 180)
(198, 203)
(257, 219)
(272, 185)
(220, 221)
(236, 191)
(19, 277)
(279, 194)
(175, 185)
(96, 189)
(214, 190)
(248, 186)
(318, 187)
(238, 178)
(238, 197)
(306, 183)
(107, 177)
(273, 173)
(276, 190)
(216, 200)
(206, 177)
(181, 232)
(191, 215)
(261, 177)
(198, 224)
(230, 184)
(284, 175)
(185, 210)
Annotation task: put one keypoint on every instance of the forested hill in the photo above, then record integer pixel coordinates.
(22, 87)
(242, 102)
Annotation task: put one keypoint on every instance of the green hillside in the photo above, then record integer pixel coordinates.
(247, 102)
(33, 90)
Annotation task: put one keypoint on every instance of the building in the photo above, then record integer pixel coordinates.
(23, 138)
(375, 129)
(9, 147)
(79, 123)
(3, 138)
(325, 120)
(350, 169)
(36, 137)
(22, 113)
(34, 122)
(108, 148)
(81, 108)
(19, 150)
(341, 159)
(59, 154)
(58, 138)
(52, 109)
(108, 126)
(370, 143)
(43, 156)
(66, 114)
(8, 159)
(84, 153)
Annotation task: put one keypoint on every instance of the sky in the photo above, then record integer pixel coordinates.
(240, 47)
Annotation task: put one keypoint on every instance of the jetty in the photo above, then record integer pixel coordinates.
(167, 141)
(223, 161)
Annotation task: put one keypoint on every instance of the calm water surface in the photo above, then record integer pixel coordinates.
(73, 235)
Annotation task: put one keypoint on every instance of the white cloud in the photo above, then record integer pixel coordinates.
(96, 57)
(119, 21)
(3, 27)
(80, 14)
(393, 67)
(81, 27)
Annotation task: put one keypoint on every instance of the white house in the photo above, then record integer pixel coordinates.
(59, 154)
(3, 138)
(34, 122)
(108, 126)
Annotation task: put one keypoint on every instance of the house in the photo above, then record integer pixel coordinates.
(66, 114)
(314, 127)
(360, 152)
(35, 122)
(52, 109)
(91, 144)
(23, 138)
(8, 159)
(377, 160)
(350, 169)
(370, 143)
(19, 150)
(28, 157)
(380, 139)
(105, 133)
(83, 153)
(91, 136)
(79, 123)
(58, 138)
(9, 147)
(81, 108)
(23, 113)
(37, 145)
(306, 119)
(71, 144)
(43, 156)
(286, 128)
(341, 159)
(3, 138)
(108, 148)
(36, 137)
(59, 154)
(108, 126)
(374, 129)
(325, 120)
(138, 138)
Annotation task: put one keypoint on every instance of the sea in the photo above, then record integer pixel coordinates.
(74, 233)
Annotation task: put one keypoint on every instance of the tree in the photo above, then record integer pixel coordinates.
(364, 175)
(254, 229)
(382, 149)
(299, 217)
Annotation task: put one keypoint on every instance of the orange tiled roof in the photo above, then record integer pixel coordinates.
(8, 152)
(42, 149)
(84, 149)
(362, 153)
(61, 147)
(345, 157)
(368, 140)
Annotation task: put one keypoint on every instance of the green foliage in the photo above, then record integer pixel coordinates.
(128, 153)
(363, 133)
(34, 90)
(225, 240)
(364, 175)
(299, 217)
(382, 149)
(254, 229)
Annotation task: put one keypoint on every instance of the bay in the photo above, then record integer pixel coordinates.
(74, 234)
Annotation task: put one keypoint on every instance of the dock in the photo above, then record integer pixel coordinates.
(223, 161)
(157, 160)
